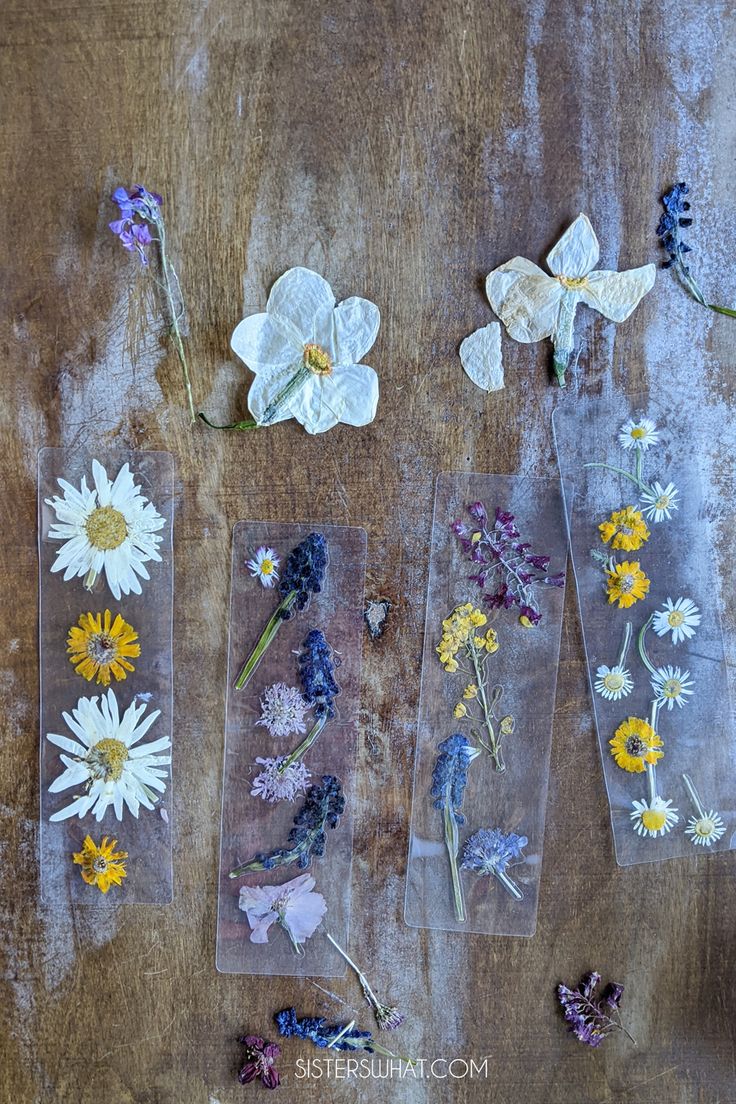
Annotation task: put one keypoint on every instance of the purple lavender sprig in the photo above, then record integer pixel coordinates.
(507, 569)
(592, 1020)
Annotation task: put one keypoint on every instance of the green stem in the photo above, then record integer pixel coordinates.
(305, 745)
(495, 745)
(272, 627)
(247, 424)
(563, 340)
(721, 310)
(642, 648)
(452, 842)
(174, 324)
(620, 471)
(509, 884)
(625, 645)
(639, 457)
(370, 996)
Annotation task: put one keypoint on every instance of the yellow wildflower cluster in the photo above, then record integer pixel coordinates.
(459, 632)
(626, 529)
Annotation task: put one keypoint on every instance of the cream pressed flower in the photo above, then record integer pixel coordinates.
(638, 433)
(480, 356)
(613, 683)
(672, 686)
(653, 818)
(111, 528)
(306, 352)
(533, 305)
(707, 827)
(106, 760)
(658, 502)
(681, 618)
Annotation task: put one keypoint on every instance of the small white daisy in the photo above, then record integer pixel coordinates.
(653, 818)
(659, 501)
(639, 433)
(613, 683)
(273, 786)
(672, 684)
(282, 710)
(264, 566)
(111, 528)
(104, 762)
(706, 829)
(680, 618)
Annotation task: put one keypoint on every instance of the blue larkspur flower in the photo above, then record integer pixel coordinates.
(489, 850)
(317, 664)
(303, 572)
(670, 222)
(450, 774)
(322, 1034)
(138, 207)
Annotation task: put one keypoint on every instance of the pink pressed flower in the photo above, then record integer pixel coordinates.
(293, 905)
(259, 1061)
(275, 785)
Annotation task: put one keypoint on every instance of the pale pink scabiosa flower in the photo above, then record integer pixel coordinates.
(274, 785)
(260, 1056)
(294, 905)
(265, 566)
(282, 710)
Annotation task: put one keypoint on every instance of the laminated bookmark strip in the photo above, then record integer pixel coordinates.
(648, 599)
(489, 674)
(293, 693)
(105, 637)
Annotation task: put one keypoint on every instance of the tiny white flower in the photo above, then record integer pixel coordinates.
(659, 501)
(653, 819)
(282, 710)
(274, 786)
(613, 683)
(680, 618)
(706, 829)
(638, 433)
(671, 684)
(306, 353)
(264, 566)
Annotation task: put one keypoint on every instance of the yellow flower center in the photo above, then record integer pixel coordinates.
(653, 819)
(574, 283)
(100, 864)
(675, 619)
(672, 688)
(613, 681)
(704, 827)
(662, 502)
(267, 567)
(626, 583)
(106, 528)
(317, 360)
(638, 432)
(635, 746)
(107, 758)
(101, 648)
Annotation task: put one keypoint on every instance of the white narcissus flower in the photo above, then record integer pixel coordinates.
(533, 305)
(306, 354)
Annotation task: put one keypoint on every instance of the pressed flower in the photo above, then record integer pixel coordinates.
(638, 433)
(654, 817)
(460, 711)
(470, 691)
(449, 779)
(274, 784)
(671, 686)
(534, 306)
(264, 566)
(99, 647)
(317, 663)
(282, 710)
(388, 1016)
(681, 618)
(295, 906)
(635, 744)
(626, 530)
(108, 761)
(306, 354)
(102, 866)
(659, 501)
(626, 584)
(676, 217)
(591, 1020)
(111, 528)
(707, 827)
(480, 356)
(490, 851)
(613, 683)
(330, 1036)
(260, 1057)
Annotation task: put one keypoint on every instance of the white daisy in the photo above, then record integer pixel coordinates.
(706, 829)
(282, 710)
(638, 433)
(613, 683)
(659, 501)
(680, 618)
(672, 684)
(653, 818)
(265, 566)
(273, 785)
(110, 529)
(104, 761)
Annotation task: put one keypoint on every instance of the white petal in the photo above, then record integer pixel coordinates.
(102, 483)
(349, 394)
(577, 252)
(616, 294)
(296, 299)
(265, 387)
(349, 331)
(529, 305)
(480, 356)
(259, 342)
(500, 282)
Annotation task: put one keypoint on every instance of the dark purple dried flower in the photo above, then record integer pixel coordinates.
(586, 1017)
(259, 1061)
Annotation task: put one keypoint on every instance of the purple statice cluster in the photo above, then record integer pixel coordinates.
(590, 1020)
(668, 229)
(317, 663)
(138, 209)
(260, 1056)
(450, 774)
(490, 850)
(303, 573)
(322, 1034)
(506, 568)
(322, 808)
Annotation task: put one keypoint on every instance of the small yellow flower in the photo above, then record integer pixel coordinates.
(460, 710)
(475, 538)
(99, 647)
(626, 530)
(507, 725)
(451, 666)
(635, 743)
(477, 618)
(470, 691)
(101, 866)
(626, 584)
(524, 620)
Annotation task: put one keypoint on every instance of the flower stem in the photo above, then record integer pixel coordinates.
(246, 424)
(495, 745)
(620, 471)
(509, 884)
(452, 842)
(626, 643)
(652, 782)
(265, 639)
(174, 323)
(563, 340)
(90, 579)
(642, 648)
(370, 996)
(694, 795)
(311, 738)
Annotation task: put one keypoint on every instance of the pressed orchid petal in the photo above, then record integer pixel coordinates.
(530, 309)
(577, 252)
(349, 394)
(349, 331)
(268, 384)
(297, 300)
(260, 344)
(616, 294)
(480, 356)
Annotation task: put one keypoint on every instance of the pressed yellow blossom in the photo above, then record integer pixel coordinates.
(489, 641)
(507, 725)
(101, 866)
(470, 691)
(99, 647)
(635, 743)
(460, 711)
(626, 530)
(626, 584)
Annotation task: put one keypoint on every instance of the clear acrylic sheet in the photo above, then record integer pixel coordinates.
(525, 665)
(697, 737)
(149, 878)
(249, 823)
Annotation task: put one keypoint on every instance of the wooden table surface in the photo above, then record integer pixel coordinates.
(403, 149)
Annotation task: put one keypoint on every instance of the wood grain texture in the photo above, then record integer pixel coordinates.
(403, 149)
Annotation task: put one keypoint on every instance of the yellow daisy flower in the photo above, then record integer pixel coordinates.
(626, 530)
(635, 743)
(101, 866)
(99, 647)
(626, 584)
